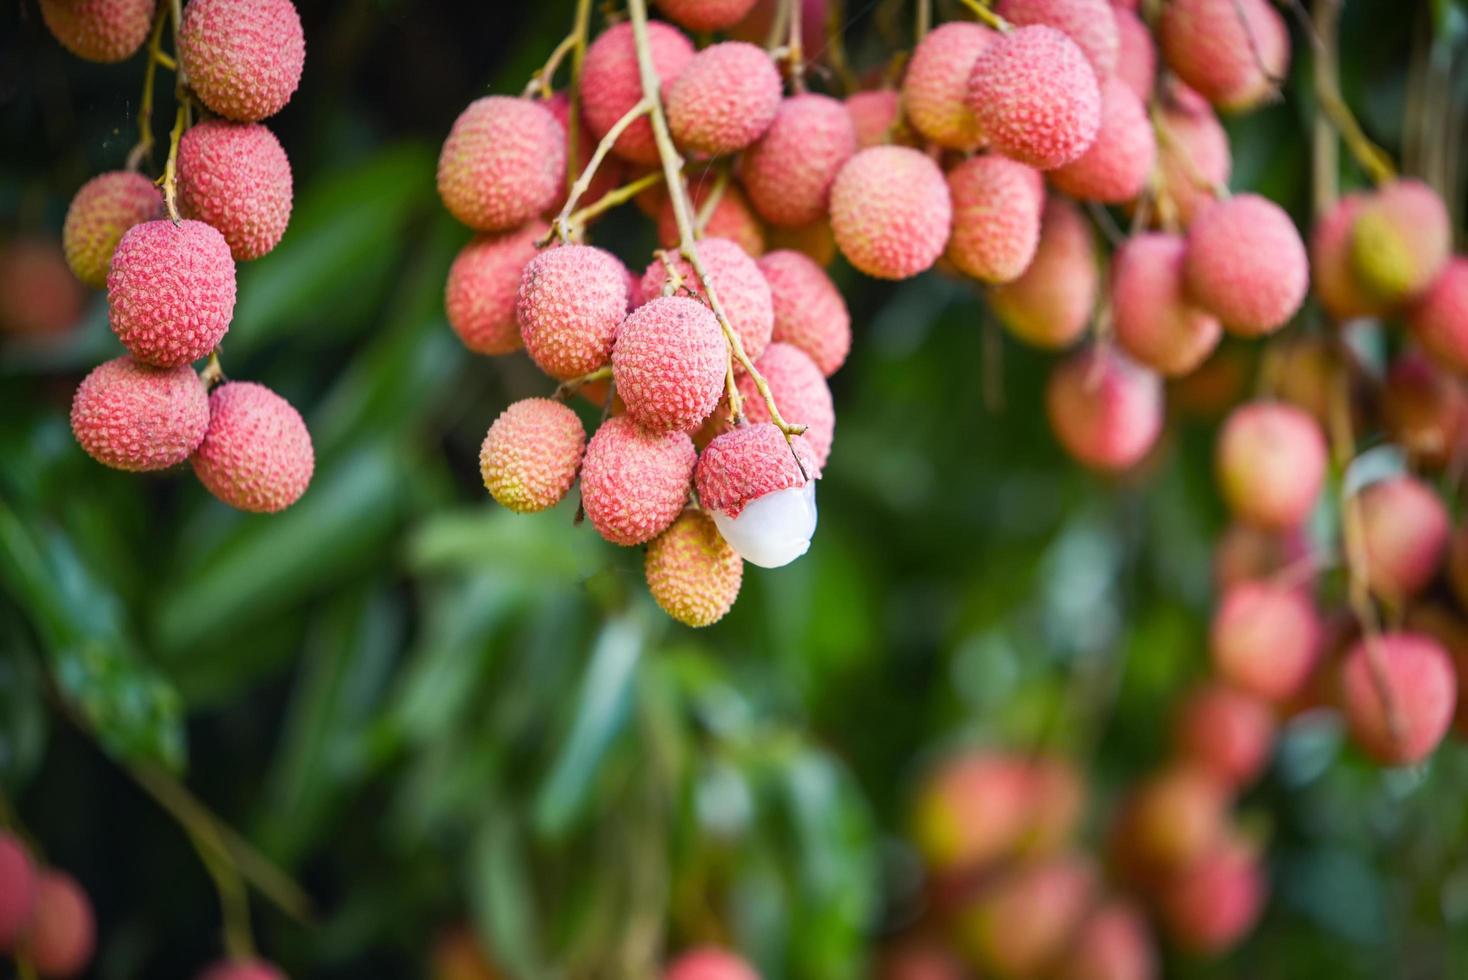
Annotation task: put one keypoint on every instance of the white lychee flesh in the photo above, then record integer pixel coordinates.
(773, 530)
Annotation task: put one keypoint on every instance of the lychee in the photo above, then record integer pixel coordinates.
(171, 291)
(1246, 264)
(102, 211)
(17, 890)
(1422, 687)
(1450, 630)
(257, 454)
(709, 963)
(503, 163)
(813, 240)
(1089, 23)
(99, 30)
(743, 293)
(1057, 801)
(1193, 156)
(1035, 97)
(1234, 53)
(531, 454)
(1400, 241)
(877, 116)
(997, 205)
(1152, 315)
(1404, 533)
(572, 299)
(1051, 302)
(236, 177)
(62, 933)
(1116, 166)
(935, 86)
(1170, 820)
(972, 811)
(669, 363)
(724, 99)
(242, 970)
(706, 15)
(692, 572)
(1216, 902)
(1114, 943)
(760, 490)
(1226, 732)
(1425, 410)
(1136, 53)
(1105, 410)
(1265, 639)
(788, 172)
(634, 483)
(731, 218)
(1331, 269)
(1439, 318)
(38, 294)
(1271, 464)
(1244, 553)
(809, 310)
(132, 416)
(801, 394)
(890, 212)
(243, 58)
(611, 83)
(483, 285)
(1020, 925)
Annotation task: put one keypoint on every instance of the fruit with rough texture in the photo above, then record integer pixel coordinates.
(972, 811)
(810, 312)
(801, 394)
(1439, 318)
(877, 118)
(1020, 925)
(250, 969)
(669, 362)
(1136, 53)
(692, 572)
(531, 454)
(1422, 686)
(1265, 639)
(1400, 241)
(38, 294)
(890, 212)
(1114, 943)
(1212, 906)
(1271, 464)
(1170, 820)
(1404, 534)
(724, 99)
(1226, 732)
(789, 171)
(731, 218)
(1232, 52)
(611, 85)
(634, 483)
(1089, 23)
(760, 490)
(1116, 166)
(62, 933)
(709, 963)
(997, 209)
(99, 30)
(1151, 312)
(1194, 158)
(1036, 97)
(1051, 302)
(132, 416)
(706, 15)
(1105, 410)
(171, 291)
(503, 163)
(235, 176)
(102, 211)
(257, 453)
(243, 58)
(17, 890)
(1331, 271)
(571, 301)
(740, 286)
(1247, 264)
(935, 86)
(1424, 409)
(483, 286)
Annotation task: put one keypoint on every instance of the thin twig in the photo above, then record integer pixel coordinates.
(1373, 159)
(794, 54)
(566, 389)
(144, 147)
(170, 169)
(613, 198)
(542, 81)
(987, 16)
(561, 226)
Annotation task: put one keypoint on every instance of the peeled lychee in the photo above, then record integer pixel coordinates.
(877, 115)
(243, 58)
(257, 454)
(1235, 53)
(132, 416)
(706, 15)
(483, 285)
(997, 205)
(1052, 301)
(99, 30)
(731, 218)
(17, 890)
(38, 294)
(242, 970)
(611, 84)
(1404, 533)
(741, 289)
(1425, 409)
(1136, 53)
(1089, 23)
(810, 312)
(1193, 156)
(1021, 924)
(801, 394)
(1113, 944)
(1217, 901)
(1439, 318)
(788, 173)
(1105, 410)
(724, 99)
(692, 572)
(503, 163)
(1246, 264)
(890, 212)
(171, 291)
(1119, 161)
(760, 491)
(1331, 269)
(935, 86)
(235, 176)
(972, 811)
(62, 933)
(1169, 821)
(1035, 97)
(1226, 732)
(1265, 639)
(102, 211)
(1151, 313)
(1400, 241)
(634, 483)
(572, 299)
(1271, 464)
(669, 363)
(531, 454)
(709, 963)
(1423, 690)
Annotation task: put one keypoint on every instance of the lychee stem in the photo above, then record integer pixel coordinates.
(1166, 139)
(561, 227)
(613, 198)
(836, 44)
(541, 81)
(924, 20)
(144, 147)
(574, 129)
(213, 371)
(1373, 159)
(170, 169)
(24, 969)
(794, 55)
(987, 16)
(567, 388)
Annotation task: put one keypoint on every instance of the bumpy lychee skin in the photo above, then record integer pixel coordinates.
(709, 963)
(1271, 464)
(971, 811)
(1423, 687)
(243, 58)
(788, 173)
(743, 293)
(572, 299)
(935, 88)
(1439, 319)
(669, 363)
(1021, 925)
(1051, 302)
(503, 163)
(724, 99)
(744, 465)
(1400, 241)
(1118, 163)
(611, 85)
(732, 218)
(1136, 53)
(236, 177)
(1105, 410)
(483, 286)
(242, 970)
(890, 212)
(997, 205)
(1247, 265)
(634, 483)
(810, 312)
(131, 416)
(1425, 410)
(102, 211)
(257, 454)
(1114, 944)
(706, 15)
(1035, 97)
(1404, 533)
(1170, 820)
(801, 395)
(1233, 52)
(1089, 23)
(17, 890)
(171, 291)
(1336, 283)
(692, 572)
(1265, 639)
(1195, 157)
(877, 116)
(1212, 906)
(1226, 732)
(1153, 317)
(62, 932)
(99, 30)
(531, 454)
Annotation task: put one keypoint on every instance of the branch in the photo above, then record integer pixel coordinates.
(987, 16)
(795, 56)
(156, 57)
(561, 226)
(612, 198)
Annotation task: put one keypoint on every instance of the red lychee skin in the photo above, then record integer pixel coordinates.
(1120, 160)
(1225, 732)
(1334, 279)
(483, 286)
(1247, 265)
(890, 212)
(1449, 629)
(1113, 944)
(243, 58)
(99, 30)
(1170, 820)
(1233, 61)
(669, 363)
(709, 963)
(724, 99)
(1035, 97)
(1051, 302)
(1245, 553)
(1195, 156)
(706, 15)
(130, 416)
(788, 173)
(1265, 639)
(1404, 533)
(257, 454)
(102, 211)
(531, 453)
(572, 299)
(1271, 464)
(1400, 241)
(756, 27)
(17, 890)
(611, 84)
(1423, 689)
(877, 117)
(1425, 410)
(1136, 53)
(1439, 319)
(1152, 315)
(920, 960)
(801, 394)
(242, 970)
(731, 218)
(62, 933)
(609, 175)
(171, 291)
(935, 87)
(1105, 410)
(810, 312)
(692, 572)
(38, 294)
(750, 462)
(236, 177)
(1020, 925)
(634, 483)
(503, 163)
(1211, 907)
(1057, 802)
(972, 811)
(743, 293)
(997, 207)
(1089, 23)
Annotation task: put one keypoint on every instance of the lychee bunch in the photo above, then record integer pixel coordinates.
(46, 917)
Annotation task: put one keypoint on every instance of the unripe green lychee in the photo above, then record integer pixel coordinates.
(171, 291)
(1439, 318)
(692, 572)
(236, 177)
(572, 299)
(1265, 639)
(789, 171)
(1332, 272)
(483, 285)
(724, 99)
(1404, 534)
(17, 890)
(531, 454)
(634, 483)
(669, 363)
(1233, 52)
(62, 933)
(997, 208)
(1151, 312)
(99, 30)
(1052, 301)
(1271, 464)
(810, 312)
(1105, 410)
(1423, 689)
(132, 416)
(503, 163)
(1400, 241)
(102, 211)
(890, 212)
(243, 58)
(1036, 97)
(1246, 264)
(741, 288)
(611, 84)
(257, 454)
(935, 86)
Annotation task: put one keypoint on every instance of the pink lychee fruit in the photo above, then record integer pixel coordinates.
(724, 99)
(531, 454)
(257, 454)
(634, 483)
(1265, 639)
(890, 212)
(1425, 410)
(243, 58)
(1089, 23)
(731, 218)
(1404, 534)
(99, 30)
(971, 811)
(62, 933)
(1271, 464)
(760, 490)
(1020, 925)
(800, 392)
(1401, 240)
(1449, 629)
(572, 299)
(1105, 409)
(1246, 264)
(1036, 97)
(1151, 313)
(669, 362)
(1226, 732)
(997, 208)
(1116, 166)
(503, 163)
(1235, 53)
(706, 15)
(102, 211)
(38, 295)
(1439, 318)
(692, 572)
(810, 312)
(1422, 689)
(132, 416)
(1057, 802)
(1193, 157)
(171, 291)
(935, 86)
(1136, 53)
(877, 116)
(236, 177)
(1169, 820)
(1215, 903)
(1114, 943)
(1331, 270)
(1052, 301)
(789, 171)
(17, 890)
(483, 286)
(709, 963)
(611, 83)
(740, 287)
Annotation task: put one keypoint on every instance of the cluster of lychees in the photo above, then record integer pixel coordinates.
(45, 916)
(167, 258)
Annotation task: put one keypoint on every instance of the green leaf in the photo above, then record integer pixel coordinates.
(502, 897)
